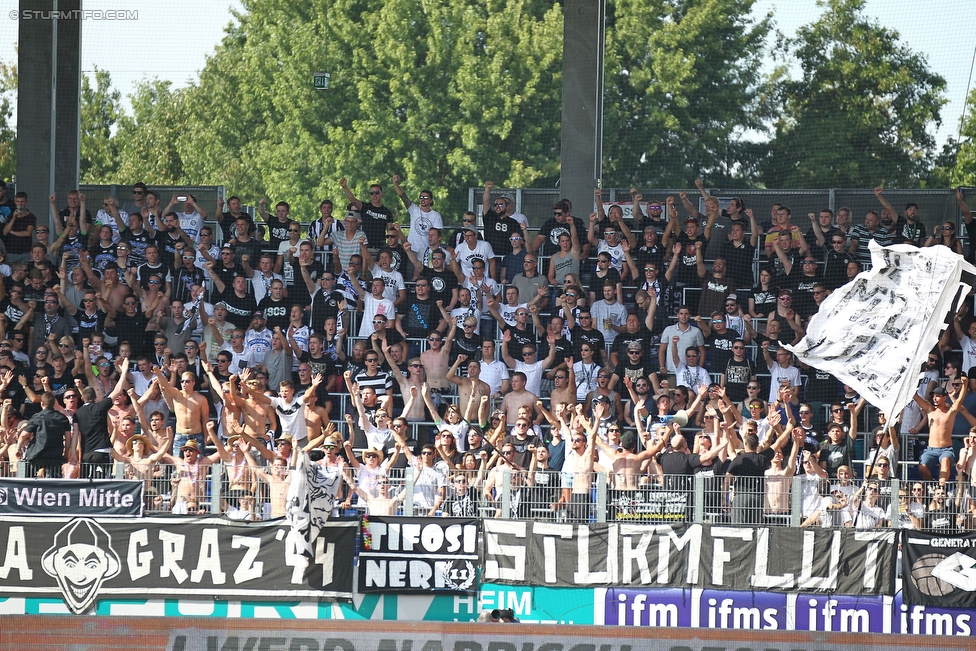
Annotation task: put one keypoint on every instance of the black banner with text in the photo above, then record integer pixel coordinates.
(939, 570)
(840, 561)
(102, 498)
(419, 555)
(82, 559)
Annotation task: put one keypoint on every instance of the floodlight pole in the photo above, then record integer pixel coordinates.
(48, 101)
(581, 156)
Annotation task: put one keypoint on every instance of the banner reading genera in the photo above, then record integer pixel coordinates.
(83, 559)
(118, 498)
(939, 570)
(839, 561)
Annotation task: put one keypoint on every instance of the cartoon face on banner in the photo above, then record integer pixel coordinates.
(81, 560)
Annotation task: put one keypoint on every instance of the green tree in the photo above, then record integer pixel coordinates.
(956, 165)
(8, 131)
(859, 112)
(151, 142)
(446, 94)
(101, 108)
(681, 87)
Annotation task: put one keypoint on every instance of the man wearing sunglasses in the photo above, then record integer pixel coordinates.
(376, 216)
(49, 322)
(279, 225)
(422, 217)
(191, 409)
(375, 304)
(499, 227)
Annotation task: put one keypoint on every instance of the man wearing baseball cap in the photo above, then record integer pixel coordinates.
(258, 337)
(346, 241)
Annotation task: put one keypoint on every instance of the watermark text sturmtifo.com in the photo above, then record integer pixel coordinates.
(74, 14)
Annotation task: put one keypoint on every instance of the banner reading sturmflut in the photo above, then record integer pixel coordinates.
(83, 559)
(874, 332)
(420, 555)
(839, 561)
(99, 497)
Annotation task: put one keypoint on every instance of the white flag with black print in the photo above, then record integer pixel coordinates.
(875, 332)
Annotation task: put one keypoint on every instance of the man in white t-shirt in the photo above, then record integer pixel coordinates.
(470, 250)
(422, 217)
(288, 252)
(968, 344)
(192, 216)
(609, 316)
(494, 372)
(241, 357)
(290, 408)
(529, 365)
(262, 276)
(466, 307)
(781, 371)
(511, 305)
(109, 215)
(394, 287)
(375, 303)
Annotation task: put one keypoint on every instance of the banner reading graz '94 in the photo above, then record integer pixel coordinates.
(420, 555)
(840, 561)
(84, 559)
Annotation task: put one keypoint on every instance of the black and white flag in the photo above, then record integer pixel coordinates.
(875, 332)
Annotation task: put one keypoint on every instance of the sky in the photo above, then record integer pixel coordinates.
(170, 39)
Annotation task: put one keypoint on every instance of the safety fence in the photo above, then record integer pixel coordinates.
(259, 492)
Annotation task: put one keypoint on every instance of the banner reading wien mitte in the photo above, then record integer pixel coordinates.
(103, 498)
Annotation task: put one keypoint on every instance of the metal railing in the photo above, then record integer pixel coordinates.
(249, 493)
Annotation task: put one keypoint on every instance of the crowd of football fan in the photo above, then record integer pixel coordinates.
(490, 359)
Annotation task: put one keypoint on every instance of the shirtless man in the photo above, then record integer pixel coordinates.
(939, 454)
(108, 285)
(190, 479)
(256, 415)
(415, 368)
(779, 476)
(191, 409)
(517, 397)
(278, 481)
(287, 407)
(626, 463)
(381, 503)
(436, 359)
(471, 387)
(565, 390)
(238, 471)
(139, 455)
(317, 424)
